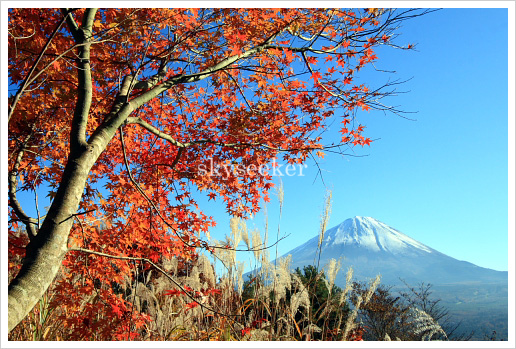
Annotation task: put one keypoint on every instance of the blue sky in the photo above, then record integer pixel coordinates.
(442, 179)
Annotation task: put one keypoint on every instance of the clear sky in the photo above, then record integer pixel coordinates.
(442, 179)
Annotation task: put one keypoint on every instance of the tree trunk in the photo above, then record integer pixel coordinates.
(44, 254)
(45, 251)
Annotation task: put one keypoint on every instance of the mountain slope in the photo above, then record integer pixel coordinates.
(476, 297)
(372, 247)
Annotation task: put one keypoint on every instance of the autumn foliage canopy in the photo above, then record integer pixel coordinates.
(113, 112)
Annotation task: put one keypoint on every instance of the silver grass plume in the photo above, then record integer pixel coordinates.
(265, 256)
(244, 233)
(282, 280)
(349, 286)
(331, 273)
(257, 243)
(426, 325)
(207, 270)
(325, 218)
(239, 277)
(171, 265)
(311, 328)
(281, 194)
(350, 323)
(299, 299)
(234, 224)
(371, 289)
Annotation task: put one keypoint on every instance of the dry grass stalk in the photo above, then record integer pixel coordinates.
(239, 277)
(256, 243)
(325, 218)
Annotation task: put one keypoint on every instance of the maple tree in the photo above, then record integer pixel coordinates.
(114, 112)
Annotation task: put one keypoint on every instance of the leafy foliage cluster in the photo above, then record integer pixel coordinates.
(116, 112)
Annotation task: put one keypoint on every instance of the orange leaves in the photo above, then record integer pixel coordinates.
(236, 92)
(289, 55)
(311, 60)
(116, 310)
(351, 53)
(357, 29)
(316, 76)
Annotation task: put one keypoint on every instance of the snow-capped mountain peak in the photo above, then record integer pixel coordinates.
(373, 235)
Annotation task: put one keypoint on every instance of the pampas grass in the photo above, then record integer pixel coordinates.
(275, 304)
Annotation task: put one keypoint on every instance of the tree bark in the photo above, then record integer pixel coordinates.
(47, 249)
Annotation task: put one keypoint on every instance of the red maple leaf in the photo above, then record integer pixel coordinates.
(116, 310)
(316, 76)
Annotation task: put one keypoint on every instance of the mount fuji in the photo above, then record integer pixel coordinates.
(476, 297)
(372, 247)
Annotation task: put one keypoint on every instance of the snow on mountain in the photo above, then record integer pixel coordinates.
(371, 234)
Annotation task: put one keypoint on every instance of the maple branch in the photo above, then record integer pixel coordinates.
(50, 64)
(153, 80)
(240, 90)
(177, 158)
(33, 68)
(72, 25)
(119, 117)
(133, 181)
(264, 247)
(83, 35)
(154, 130)
(188, 78)
(45, 157)
(36, 197)
(157, 132)
(77, 214)
(324, 87)
(13, 201)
